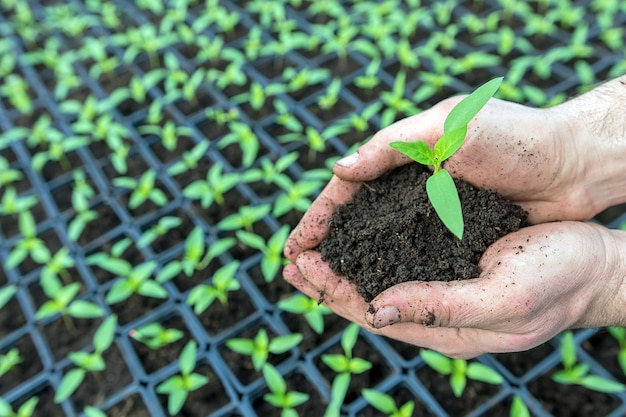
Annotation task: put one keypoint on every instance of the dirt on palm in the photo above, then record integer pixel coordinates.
(390, 233)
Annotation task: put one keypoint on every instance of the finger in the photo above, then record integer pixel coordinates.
(338, 293)
(376, 157)
(292, 275)
(313, 227)
(483, 303)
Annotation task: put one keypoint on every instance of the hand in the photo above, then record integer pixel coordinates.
(534, 283)
(534, 157)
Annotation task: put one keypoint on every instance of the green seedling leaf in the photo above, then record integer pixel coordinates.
(69, 383)
(417, 151)
(518, 408)
(445, 200)
(437, 361)
(479, 372)
(187, 358)
(600, 384)
(103, 338)
(464, 112)
(448, 144)
(6, 294)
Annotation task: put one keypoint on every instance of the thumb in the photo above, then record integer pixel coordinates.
(376, 157)
(459, 304)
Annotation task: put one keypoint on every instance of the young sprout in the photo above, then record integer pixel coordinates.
(440, 186)
(460, 370)
(243, 135)
(26, 410)
(386, 404)
(272, 173)
(328, 100)
(178, 387)
(312, 310)
(155, 336)
(272, 249)
(10, 360)
(87, 362)
(278, 396)
(29, 244)
(12, 204)
(164, 225)
(578, 373)
(245, 218)
(143, 189)
(223, 281)
(62, 301)
(395, 102)
(136, 280)
(261, 346)
(213, 188)
(345, 365)
(189, 159)
(169, 133)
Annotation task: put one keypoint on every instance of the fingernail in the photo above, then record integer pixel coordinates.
(386, 316)
(348, 161)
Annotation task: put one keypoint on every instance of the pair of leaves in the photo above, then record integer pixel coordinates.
(440, 186)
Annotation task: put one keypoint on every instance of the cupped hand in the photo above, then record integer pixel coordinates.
(533, 284)
(531, 156)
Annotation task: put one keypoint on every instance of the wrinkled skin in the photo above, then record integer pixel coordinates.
(533, 283)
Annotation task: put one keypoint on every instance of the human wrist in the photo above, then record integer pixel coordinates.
(597, 125)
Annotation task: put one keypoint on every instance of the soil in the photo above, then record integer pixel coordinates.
(390, 233)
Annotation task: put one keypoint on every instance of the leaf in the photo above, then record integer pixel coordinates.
(437, 361)
(417, 151)
(518, 408)
(600, 384)
(6, 294)
(85, 310)
(282, 344)
(479, 372)
(349, 337)
(381, 401)
(103, 337)
(445, 200)
(568, 350)
(467, 108)
(187, 358)
(274, 379)
(69, 383)
(448, 144)
(458, 382)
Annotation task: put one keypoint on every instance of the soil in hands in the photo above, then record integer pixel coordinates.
(390, 233)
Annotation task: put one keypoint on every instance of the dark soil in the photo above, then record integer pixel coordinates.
(391, 234)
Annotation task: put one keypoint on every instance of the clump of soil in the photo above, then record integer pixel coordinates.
(390, 233)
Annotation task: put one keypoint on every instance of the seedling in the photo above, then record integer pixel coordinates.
(245, 218)
(261, 346)
(29, 244)
(10, 360)
(223, 281)
(169, 133)
(26, 410)
(136, 280)
(87, 362)
(296, 196)
(12, 204)
(213, 188)
(62, 301)
(440, 186)
(155, 336)
(578, 373)
(312, 311)
(58, 266)
(272, 173)
(178, 387)
(143, 189)
(272, 249)
(460, 370)
(345, 365)
(243, 135)
(386, 404)
(278, 396)
(189, 159)
(164, 225)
